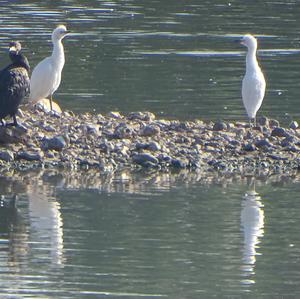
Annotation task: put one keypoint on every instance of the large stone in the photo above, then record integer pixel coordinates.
(150, 130)
(279, 132)
(146, 116)
(7, 156)
(144, 158)
(30, 155)
(294, 125)
(55, 143)
(220, 126)
(44, 105)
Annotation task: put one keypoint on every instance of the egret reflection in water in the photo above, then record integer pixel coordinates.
(252, 225)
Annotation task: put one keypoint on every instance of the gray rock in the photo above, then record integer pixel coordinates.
(123, 130)
(249, 147)
(146, 116)
(49, 128)
(150, 130)
(7, 156)
(263, 121)
(263, 143)
(294, 125)
(220, 126)
(179, 163)
(154, 146)
(114, 114)
(57, 143)
(279, 132)
(92, 129)
(141, 146)
(30, 156)
(143, 158)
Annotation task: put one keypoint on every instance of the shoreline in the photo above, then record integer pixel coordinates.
(138, 140)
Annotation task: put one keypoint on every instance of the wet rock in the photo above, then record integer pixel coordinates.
(91, 129)
(143, 158)
(12, 134)
(277, 157)
(220, 126)
(294, 125)
(154, 146)
(279, 132)
(263, 143)
(30, 156)
(287, 141)
(249, 147)
(146, 116)
(123, 130)
(179, 163)
(7, 156)
(49, 128)
(57, 143)
(150, 130)
(115, 115)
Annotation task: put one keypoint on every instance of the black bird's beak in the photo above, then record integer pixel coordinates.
(12, 49)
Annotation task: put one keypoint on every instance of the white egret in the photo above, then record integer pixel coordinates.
(46, 76)
(14, 83)
(254, 84)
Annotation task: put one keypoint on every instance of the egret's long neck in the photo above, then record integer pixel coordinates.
(251, 61)
(58, 55)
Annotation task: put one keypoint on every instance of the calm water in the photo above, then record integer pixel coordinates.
(179, 235)
(175, 58)
(134, 235)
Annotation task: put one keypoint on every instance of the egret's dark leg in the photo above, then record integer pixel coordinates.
(51, 108)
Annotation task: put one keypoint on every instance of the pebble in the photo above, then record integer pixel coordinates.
(115, 141)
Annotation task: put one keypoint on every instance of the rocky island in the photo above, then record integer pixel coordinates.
(140, 140)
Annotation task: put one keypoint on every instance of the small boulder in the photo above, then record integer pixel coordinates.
(144, 158)
(150, 130)
(263, 121)
(7, 156)
(57, 143)
(30, 155)
(220, 126)
(294, 125)
(146, 116)
(249, 147)
(279, 132)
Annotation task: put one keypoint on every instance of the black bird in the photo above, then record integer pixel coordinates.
(14, 83)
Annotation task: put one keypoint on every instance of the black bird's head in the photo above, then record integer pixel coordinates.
(14, 47)
(16, 56)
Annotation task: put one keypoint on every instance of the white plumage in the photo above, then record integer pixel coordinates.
(254, 84)
(46, 76)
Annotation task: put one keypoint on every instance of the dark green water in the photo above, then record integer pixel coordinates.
(175, 58)
(150, 236)
(176, 235)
